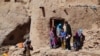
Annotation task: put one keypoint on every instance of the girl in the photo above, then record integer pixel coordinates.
(52, 38)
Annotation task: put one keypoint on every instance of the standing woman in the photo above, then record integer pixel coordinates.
(69, 35)
(58, 30)
(78, 40)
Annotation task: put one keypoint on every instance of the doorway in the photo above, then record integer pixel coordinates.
(55, 21)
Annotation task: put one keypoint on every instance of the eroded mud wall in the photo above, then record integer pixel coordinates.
(12, 14)
(79, 14)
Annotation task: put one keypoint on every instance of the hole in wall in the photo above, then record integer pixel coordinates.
(86, 9)
(54, 21)
(65, 11)
(54, 11)
(43, 10)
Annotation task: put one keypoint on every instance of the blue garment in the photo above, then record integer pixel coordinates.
(58, 29)
(63, 34)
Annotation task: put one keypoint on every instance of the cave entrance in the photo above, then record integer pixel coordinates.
(17, 35)
(55, 21)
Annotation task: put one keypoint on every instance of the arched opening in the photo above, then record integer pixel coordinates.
(17, 35)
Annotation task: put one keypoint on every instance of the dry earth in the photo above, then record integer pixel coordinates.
(83, 14)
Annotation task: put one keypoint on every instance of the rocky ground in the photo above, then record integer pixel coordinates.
(91, 47)
(55, 52)
(3, 48)
(60, 52)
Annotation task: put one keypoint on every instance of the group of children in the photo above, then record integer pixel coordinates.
(61, 36)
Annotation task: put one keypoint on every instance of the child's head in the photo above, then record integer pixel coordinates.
(28, 42)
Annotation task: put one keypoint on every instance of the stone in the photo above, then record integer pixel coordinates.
(13, 51)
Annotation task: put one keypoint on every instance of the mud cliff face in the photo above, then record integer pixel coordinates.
(11, 15)
(16, 16)
(79, 13)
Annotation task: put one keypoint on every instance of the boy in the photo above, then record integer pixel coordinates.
(27, 45)
(63, 38)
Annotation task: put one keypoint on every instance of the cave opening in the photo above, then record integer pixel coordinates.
(17, 35)
(55, 21)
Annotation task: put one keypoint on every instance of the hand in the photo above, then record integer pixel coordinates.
(31, 48)
(67, 37)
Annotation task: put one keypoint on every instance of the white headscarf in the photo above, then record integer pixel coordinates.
(80, 32)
